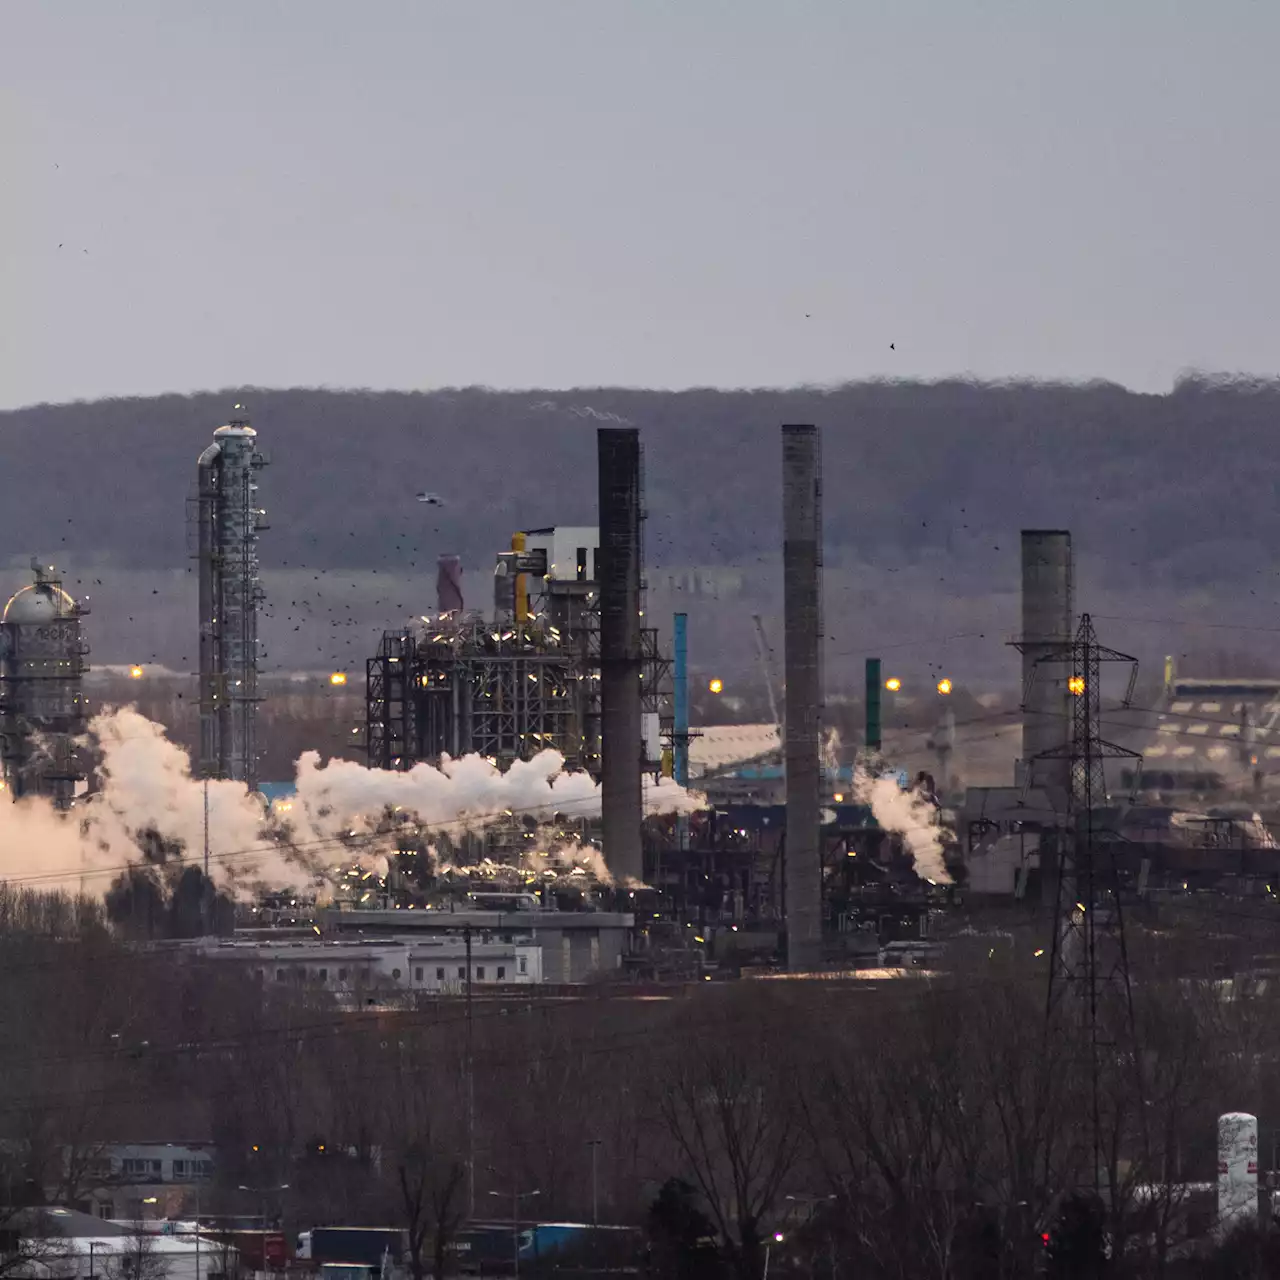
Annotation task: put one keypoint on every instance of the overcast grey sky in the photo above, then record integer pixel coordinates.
(652, 193)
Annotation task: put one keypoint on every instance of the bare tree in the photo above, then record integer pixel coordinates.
(424, 1151)
(934, 1112)
(29, 1243)
(137, 1258)
(728, 1101)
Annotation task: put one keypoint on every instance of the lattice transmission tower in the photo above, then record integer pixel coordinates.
(1089, 961)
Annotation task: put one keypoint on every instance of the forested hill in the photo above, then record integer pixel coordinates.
(1176, 489)
(1180, 477)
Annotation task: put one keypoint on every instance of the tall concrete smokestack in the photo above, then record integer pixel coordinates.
(802, 605)
(618, 572)
(1047, 624)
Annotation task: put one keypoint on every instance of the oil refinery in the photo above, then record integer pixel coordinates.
(772, 844)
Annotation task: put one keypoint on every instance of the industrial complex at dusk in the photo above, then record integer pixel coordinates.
(638, 640)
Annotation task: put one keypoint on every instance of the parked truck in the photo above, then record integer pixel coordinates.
(373, 1248)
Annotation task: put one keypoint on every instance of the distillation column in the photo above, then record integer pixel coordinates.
(230, 592)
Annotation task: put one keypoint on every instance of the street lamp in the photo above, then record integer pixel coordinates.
(264, 1192)
(778, 1238)
(811, 1201)
(516, 1197)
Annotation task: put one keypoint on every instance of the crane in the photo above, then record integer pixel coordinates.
(762, 647)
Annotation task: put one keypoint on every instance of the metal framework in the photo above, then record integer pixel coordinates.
(505, 691)
(228, 521)
(1089, 960)
(42, 707)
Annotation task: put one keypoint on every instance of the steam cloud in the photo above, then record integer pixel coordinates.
(147, 786)
(462, 794)
(910, 815)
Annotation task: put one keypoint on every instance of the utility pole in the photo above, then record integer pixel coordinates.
(206, 895)
(1089, 959)
(471, 1089)
(516, 1197)
(594, 1144)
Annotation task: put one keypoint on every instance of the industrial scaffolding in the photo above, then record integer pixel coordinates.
(227, 522)
(464, 684)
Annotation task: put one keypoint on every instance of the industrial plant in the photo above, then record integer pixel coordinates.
(793, 849)
(651, 853)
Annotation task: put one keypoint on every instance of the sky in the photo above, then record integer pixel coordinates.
(658, 193)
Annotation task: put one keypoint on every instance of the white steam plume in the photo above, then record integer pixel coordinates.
(463, 794)
(910, 815)
(147, 786)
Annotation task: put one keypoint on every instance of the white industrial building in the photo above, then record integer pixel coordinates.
(138, 1180)
(572, 946)
(64, 1244)
(391, 964)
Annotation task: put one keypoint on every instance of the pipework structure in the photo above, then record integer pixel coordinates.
(802, 610)
(42, 705)
(228, 521)
(462, 682)
(501, 689)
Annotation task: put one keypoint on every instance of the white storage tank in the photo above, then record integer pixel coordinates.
(1237, 1170)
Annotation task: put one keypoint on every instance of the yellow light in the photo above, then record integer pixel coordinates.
(838, 797)
(1040, 952)
(944, 685)
(716, 686)
(135, 673)
(1076, 685)
(338, 677)
(893, 684)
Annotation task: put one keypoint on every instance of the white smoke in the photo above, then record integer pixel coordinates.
(909, 814)
(147, 788)
(466, 794)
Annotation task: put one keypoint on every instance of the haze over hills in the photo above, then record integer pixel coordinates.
(1171, 499)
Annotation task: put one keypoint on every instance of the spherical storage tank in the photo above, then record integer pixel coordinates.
(1237, 1170)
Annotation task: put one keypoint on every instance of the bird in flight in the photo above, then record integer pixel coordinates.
(891, 347)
